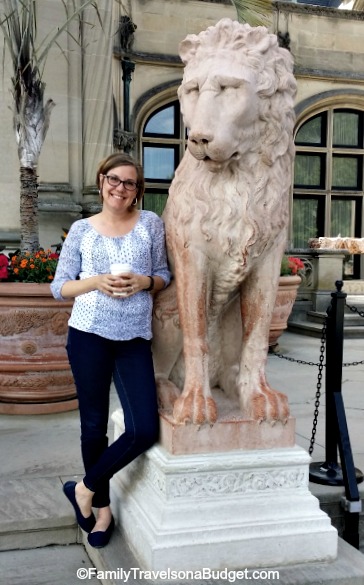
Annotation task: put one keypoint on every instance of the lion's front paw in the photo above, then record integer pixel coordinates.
(196, 408)
(167, 394)
(268, 405)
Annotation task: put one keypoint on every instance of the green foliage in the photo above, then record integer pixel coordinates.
(254, 12)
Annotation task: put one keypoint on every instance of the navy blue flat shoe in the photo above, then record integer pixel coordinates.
(101, 538)
(86, 524)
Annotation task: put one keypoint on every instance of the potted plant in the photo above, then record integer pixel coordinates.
(35, 376)
(292, 270)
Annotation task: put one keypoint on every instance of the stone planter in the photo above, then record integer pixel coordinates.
(35, 376)
(286, 296)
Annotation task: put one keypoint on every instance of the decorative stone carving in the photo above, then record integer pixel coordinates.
(124, 140)
(308, 273)
(35, 375)
(216, 509)
(284, 40)
(226, 219)
(353, 245)
(126, 33)
(235, 483)
(20, 321)
(28, 347)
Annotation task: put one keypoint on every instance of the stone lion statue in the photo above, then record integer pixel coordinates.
(226, 219)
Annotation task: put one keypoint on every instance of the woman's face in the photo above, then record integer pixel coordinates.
(119, 196)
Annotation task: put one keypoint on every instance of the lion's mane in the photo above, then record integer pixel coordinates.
(258, 188)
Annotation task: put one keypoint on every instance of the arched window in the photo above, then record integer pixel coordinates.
(328, 179)
(163, 145)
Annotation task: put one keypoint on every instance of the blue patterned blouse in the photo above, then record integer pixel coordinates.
(87, 253)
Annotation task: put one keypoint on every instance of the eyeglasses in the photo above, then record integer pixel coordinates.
(115, 182)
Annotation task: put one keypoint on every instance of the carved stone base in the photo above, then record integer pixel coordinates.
(229, 432)
(235, 509)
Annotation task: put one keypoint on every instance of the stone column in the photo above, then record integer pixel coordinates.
(98, 96)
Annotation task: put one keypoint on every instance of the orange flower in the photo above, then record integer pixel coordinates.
(38, 266)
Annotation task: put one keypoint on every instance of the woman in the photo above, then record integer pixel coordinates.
(110, 332)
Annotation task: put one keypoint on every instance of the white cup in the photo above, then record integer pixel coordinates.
(120, 268)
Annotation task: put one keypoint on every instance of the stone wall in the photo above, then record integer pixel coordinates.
(88, 89)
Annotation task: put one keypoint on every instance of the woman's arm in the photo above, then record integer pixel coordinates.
(101, 282)
(160, 269)
(67, 283)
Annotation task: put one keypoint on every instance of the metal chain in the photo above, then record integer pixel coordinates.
(291, 359)
(347, 364)
(321, 366)
(361, 314)
(355, 310)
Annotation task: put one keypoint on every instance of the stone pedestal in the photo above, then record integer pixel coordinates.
(248, 508)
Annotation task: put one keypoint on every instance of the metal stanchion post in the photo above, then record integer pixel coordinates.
(330, 472)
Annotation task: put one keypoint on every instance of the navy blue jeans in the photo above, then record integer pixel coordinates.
(94, 362)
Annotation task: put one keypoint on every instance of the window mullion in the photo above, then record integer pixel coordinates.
(328, 172)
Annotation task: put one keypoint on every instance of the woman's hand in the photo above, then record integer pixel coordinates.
(123, 285)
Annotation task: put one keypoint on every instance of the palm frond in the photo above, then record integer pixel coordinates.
(19, 26)
(19, 30)
(254, 12)
(50, 39)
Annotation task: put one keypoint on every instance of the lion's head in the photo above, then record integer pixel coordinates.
(237, 94)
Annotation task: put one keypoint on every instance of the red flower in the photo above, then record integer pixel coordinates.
(291, 266)
(295, 264)
(4, 263)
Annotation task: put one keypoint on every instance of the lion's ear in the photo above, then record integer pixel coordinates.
(188, 48)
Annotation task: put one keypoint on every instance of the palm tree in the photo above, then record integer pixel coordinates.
(31, 116)
(254, 12)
